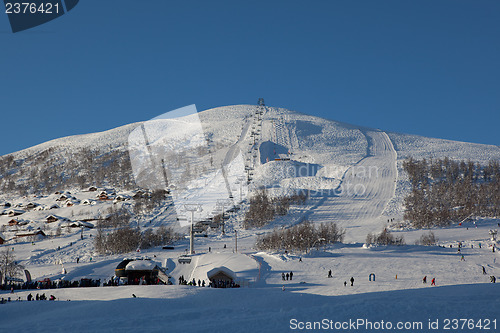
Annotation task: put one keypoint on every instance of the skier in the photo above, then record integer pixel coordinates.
(330, 273)
(352, 281)
(291, 276)
(484, 270)
(424, 280)
(433, 282)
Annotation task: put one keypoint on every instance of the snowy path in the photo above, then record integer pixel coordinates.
(366, 188)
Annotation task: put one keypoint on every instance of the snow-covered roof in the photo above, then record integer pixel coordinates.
(15, 212)
(85, 224)
(140, 265)
(222, 269)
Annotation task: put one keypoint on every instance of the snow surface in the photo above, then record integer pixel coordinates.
(354, 176)
(184, 309)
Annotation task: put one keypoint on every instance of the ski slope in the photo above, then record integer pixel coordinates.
(354, 176)
(359, 202)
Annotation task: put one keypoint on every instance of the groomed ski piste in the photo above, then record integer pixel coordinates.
(355, 179)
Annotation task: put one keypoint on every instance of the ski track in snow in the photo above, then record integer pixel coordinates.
(366, 188)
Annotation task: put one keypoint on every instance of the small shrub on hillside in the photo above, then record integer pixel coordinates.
(384, 238)
(427, 239)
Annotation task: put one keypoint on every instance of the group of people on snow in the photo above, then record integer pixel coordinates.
(287, 276)
(41, 297)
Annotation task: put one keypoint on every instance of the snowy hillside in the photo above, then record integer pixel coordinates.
(354, 174)
(54, 195)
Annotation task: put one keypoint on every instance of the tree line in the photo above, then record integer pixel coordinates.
(384, 238)
(56, 169)
(445, 191)
(128, 239)
(263, 208)
(301, 237)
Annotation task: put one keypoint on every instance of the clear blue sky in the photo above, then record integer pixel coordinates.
(424, 67)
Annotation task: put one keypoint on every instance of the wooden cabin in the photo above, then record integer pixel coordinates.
(13, 222)
(37, 234)
(51, 218)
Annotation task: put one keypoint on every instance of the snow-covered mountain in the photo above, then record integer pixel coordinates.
(333, 146)
(354, 174)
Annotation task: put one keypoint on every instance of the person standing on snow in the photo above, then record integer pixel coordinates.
(287, 276)
(424, 280)
(330, 273)
(291, 275)
(484, 270)
(352, 281)
(283, 276)
(433, 282)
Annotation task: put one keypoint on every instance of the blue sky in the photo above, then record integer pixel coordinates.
(424, 67)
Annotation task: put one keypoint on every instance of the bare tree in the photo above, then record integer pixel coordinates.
(427, 239)
(9, 265)
(384, 238)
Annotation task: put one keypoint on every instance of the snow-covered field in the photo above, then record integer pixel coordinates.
(181, 309)
(354, 176)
